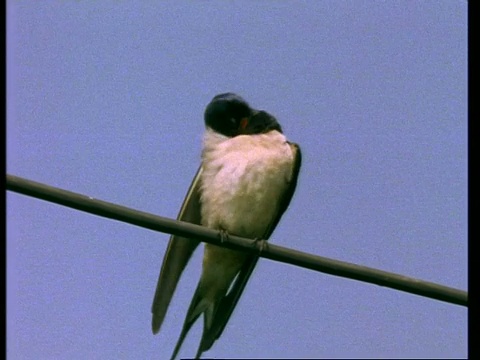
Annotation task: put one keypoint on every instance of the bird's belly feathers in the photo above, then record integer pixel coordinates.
(243, 181)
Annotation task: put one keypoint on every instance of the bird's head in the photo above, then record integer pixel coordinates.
(230, 115)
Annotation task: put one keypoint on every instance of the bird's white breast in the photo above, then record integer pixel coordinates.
(243, 180)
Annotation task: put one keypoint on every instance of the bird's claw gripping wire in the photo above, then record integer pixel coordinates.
(260, 245)
(223, 236)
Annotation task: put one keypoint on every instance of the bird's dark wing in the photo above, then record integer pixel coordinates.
(178, 253)
(228, 303)
(287, 196)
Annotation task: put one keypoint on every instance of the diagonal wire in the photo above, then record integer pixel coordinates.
(270, 251)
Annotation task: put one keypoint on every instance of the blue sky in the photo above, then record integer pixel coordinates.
(107, 99)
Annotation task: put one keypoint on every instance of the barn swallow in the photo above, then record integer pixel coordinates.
(244, 184)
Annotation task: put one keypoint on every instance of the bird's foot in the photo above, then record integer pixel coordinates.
(260, 245)
(223, 236)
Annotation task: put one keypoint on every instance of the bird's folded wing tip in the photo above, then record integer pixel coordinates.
(156, 323)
